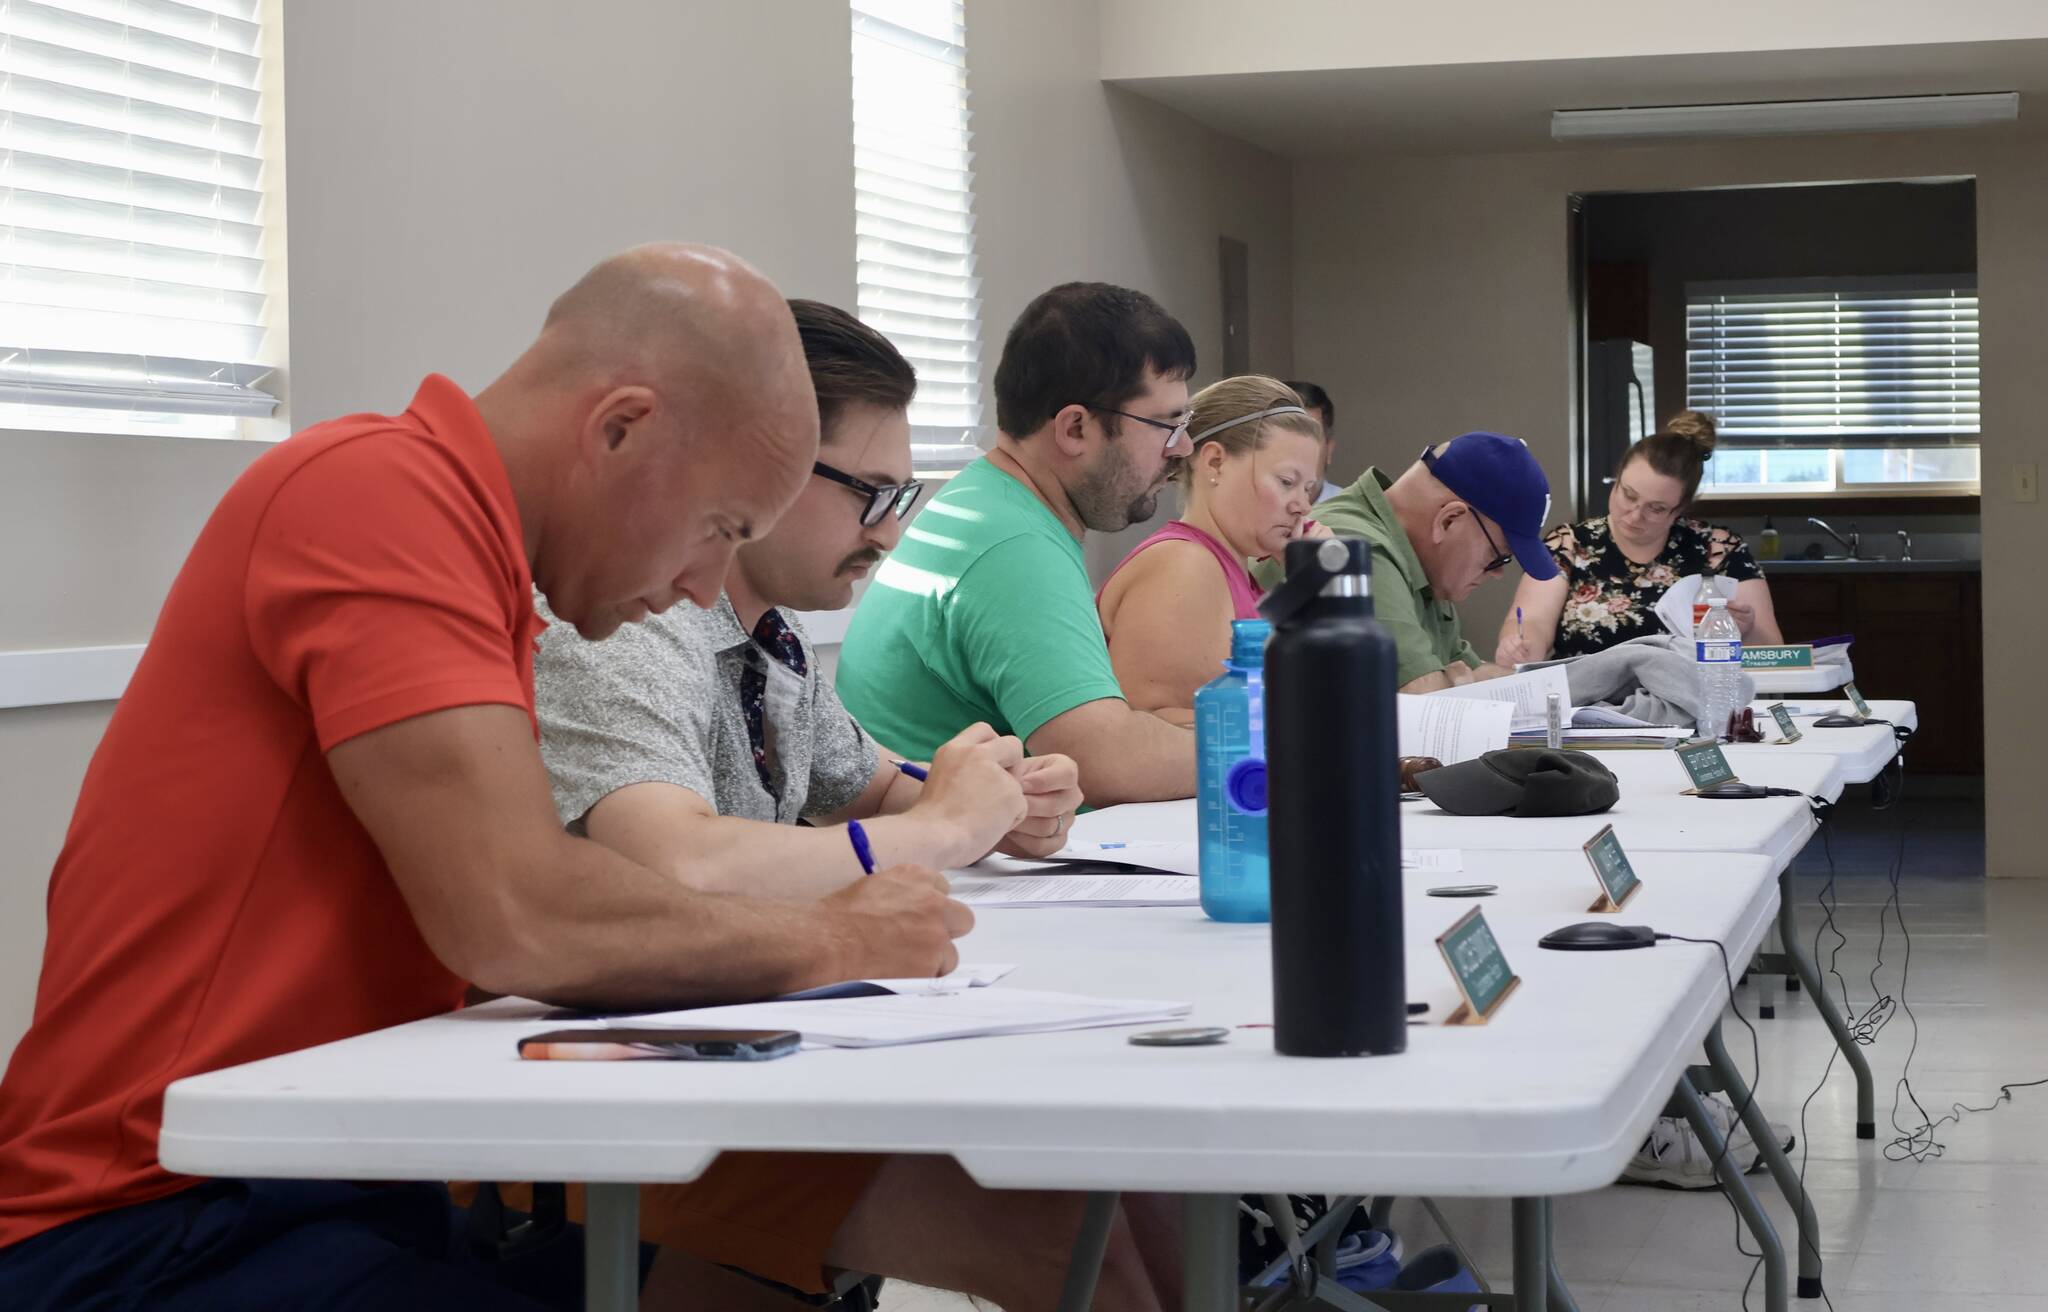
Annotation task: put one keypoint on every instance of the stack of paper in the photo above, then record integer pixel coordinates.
(1527, 695)
(1077, 890)
(963, 977)
(893, 1019)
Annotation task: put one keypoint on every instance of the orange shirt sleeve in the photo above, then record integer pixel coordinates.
(381, 587)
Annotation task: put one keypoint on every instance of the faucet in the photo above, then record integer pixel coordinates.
(1848, 543)
(1905, 545)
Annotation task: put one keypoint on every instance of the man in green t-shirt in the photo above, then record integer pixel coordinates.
(1458, 516)
(985, 612)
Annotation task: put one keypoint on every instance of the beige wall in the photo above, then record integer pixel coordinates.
(445, 187)
(1184, 38)
(1078, 180)
(1431, 297)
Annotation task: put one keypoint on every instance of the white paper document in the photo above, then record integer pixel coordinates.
(1452, 730)
(963, 977)
(1435, 860)
(1528, 692)
(1056, 889)
(1676, 609)
(874, 1022)
(1174, 858)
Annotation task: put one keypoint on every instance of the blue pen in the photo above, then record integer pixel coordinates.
(1518, 621)
(916, 772)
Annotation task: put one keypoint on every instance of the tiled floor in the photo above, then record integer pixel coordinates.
(1953, 1233)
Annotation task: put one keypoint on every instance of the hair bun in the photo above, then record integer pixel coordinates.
(1694, 427)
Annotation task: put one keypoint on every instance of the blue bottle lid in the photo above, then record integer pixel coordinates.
(1248, 642)
(1245, 785)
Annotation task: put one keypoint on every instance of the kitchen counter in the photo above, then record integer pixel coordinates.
(1840, 566)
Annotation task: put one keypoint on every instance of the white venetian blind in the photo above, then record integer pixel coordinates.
(914, 212)
(1835, 362)
(131, 206)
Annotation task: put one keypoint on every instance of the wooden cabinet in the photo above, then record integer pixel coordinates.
(1918, 636)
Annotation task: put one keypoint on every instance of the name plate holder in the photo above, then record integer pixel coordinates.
(1788, 732)
(1787, 657)
(1618, 881)
(1711, 774)
(1478, 967)
(1856, 699)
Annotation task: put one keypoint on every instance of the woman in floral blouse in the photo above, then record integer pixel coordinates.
(1615, 569)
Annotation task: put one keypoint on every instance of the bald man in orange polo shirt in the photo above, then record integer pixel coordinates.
(319, 809)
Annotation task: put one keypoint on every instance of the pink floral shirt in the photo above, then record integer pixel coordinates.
(1610, 599)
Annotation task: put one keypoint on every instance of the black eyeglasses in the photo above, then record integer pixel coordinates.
(1175, 430)
(1501, 558)
(902, 496)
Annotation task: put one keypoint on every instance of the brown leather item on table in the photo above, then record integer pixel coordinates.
(1742, 726)
(1415, 765)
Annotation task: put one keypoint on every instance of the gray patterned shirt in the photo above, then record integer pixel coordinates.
(659, 702)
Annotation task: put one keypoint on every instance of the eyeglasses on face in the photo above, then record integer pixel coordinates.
(1175, 430)
(902, 496)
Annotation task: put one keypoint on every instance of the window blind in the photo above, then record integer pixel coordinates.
(914, 212)
(131, 206)
(1835, 362)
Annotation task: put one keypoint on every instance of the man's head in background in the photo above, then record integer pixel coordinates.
(848, 515)
(1094, 378)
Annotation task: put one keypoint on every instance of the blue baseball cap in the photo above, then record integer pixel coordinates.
(1497, 476)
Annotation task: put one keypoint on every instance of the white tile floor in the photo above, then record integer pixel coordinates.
(1957, 1233)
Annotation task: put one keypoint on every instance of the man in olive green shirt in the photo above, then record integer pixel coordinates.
(1459, 515)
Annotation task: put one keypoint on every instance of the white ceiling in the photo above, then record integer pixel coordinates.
(1476, 108)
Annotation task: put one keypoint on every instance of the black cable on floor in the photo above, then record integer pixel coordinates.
(1756, 1068)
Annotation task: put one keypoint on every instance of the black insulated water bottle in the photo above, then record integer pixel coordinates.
(1340, 984)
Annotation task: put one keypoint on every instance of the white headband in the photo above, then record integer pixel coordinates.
(1245, 419)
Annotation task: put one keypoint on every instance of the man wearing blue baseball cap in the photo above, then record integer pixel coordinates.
(1459, 514)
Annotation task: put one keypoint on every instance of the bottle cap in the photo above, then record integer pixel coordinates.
(1312, 566)
(1248, 642)
(1245, 785)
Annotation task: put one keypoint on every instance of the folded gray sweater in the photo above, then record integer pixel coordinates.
(1649, 678)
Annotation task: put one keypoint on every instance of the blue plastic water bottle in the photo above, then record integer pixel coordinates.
(1230, 794)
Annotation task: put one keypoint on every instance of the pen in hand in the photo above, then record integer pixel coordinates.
(912, 769)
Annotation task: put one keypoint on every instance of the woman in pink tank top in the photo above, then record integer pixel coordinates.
(1254, 473)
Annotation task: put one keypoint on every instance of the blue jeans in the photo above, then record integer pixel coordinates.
(308, 1245)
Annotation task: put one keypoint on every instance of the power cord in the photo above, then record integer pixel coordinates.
(1756, 1066)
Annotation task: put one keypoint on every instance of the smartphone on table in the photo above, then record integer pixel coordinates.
(619, 1044)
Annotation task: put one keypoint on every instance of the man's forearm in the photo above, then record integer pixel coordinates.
(754, 858)
(1146, 760)
(589, 928)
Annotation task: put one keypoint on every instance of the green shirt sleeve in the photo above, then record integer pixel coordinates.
(1398, 609)
(1025, 625)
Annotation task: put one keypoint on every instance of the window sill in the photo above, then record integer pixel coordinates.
(1959, 502)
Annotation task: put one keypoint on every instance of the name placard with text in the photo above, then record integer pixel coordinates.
(1707, 765)
(1478, 966)
(1618, 882)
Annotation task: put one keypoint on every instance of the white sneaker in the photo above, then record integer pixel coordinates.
(1674, 1157)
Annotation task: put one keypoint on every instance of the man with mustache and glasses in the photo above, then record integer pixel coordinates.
(987, 612)
(695, 742)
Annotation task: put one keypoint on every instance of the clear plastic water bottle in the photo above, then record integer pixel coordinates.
(1717, 668)
(1230, 792)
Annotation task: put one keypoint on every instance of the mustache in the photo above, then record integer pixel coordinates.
(859, 559)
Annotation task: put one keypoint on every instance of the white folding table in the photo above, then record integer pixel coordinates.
(1552, 1097)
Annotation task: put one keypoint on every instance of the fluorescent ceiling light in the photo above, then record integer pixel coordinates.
(1786, 117)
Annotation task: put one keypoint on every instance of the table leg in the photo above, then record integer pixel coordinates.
(611, 1248)
(1830, 1014)
(1561, 1299)
(1532, 1254)
(1774, 1157)
(1752, 1213)
(1209, 1253)
(1098, 1214)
